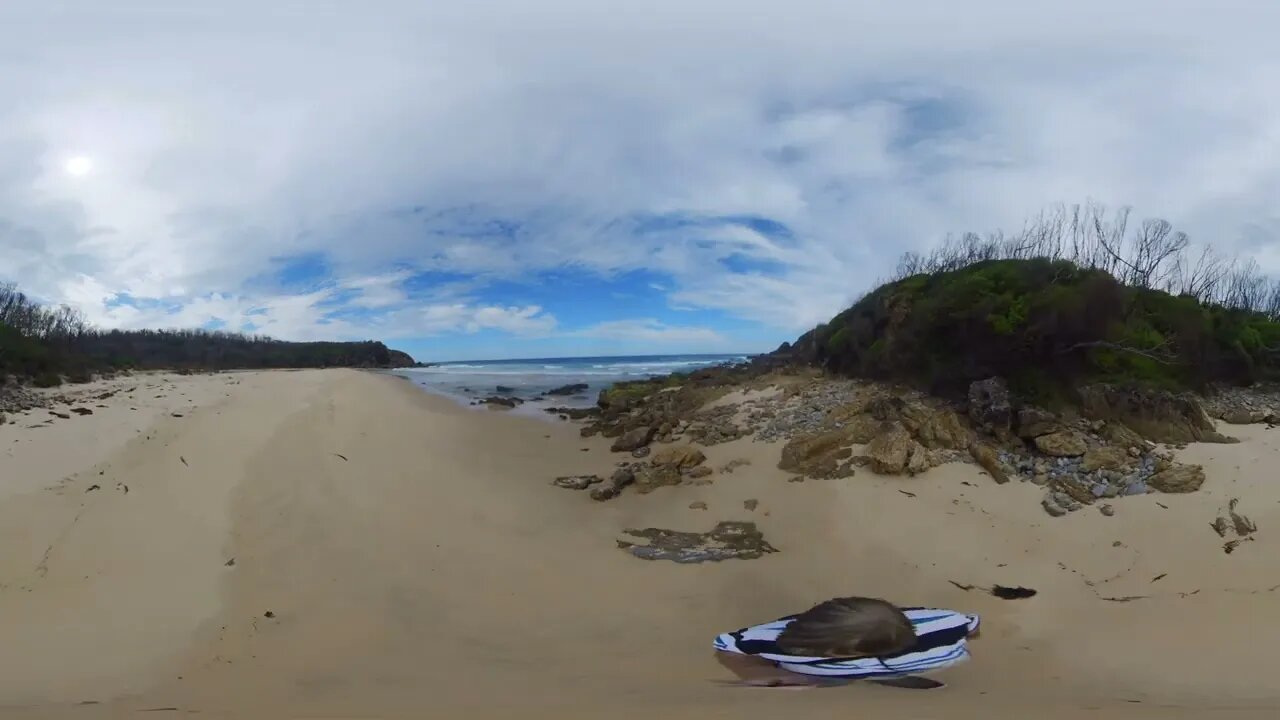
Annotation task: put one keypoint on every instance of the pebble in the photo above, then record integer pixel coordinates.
(1107, 510)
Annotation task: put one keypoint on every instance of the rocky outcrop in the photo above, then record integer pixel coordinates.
(634, 439)
(1178, 479)
(990, 407)
(572, 389)
(1160, 416)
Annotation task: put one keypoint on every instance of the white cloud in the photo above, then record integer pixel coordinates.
(652, 331)
(867, 127)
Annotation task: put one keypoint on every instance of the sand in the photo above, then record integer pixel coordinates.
(416, 562)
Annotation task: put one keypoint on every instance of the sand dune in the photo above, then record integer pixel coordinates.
(415, 562)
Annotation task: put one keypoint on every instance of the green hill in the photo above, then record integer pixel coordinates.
(1045, 325)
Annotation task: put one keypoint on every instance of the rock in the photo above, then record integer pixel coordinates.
(728, 540)
(641, 452)
(818, 456)
(751, 504)
(1243, 416)
(700, 471)
(573, 389)
(504, 390)
(989, 406)
(1178, 479)
(651, 477)
(633, 439)
(680, 457)
(502, 402)
(1160, 416)
(1137, 487)
(577, 482)
(1052, 507)
(697, 505)
(988, 458)
(86, 411)
(1107, 510)
(889, 452)
(1065, 501)
(1040, 479)
(920, 460)
(941, 429)
(586, 432)
(1034, 422)
(604, 492)
(1105, 458)
(1065, 443)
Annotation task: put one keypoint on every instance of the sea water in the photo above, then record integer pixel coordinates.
(530, 379)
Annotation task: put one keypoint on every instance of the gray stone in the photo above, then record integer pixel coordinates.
(1052, 507)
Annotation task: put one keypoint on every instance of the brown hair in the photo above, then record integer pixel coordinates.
(848, 627)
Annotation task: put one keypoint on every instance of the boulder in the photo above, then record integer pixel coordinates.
(891, 451)
(1064, 443)
(1106, 457)
(503, 389)
(573, 389)
(1034, 422)
(680, 457)
(1178, 479)
(1156, 415)
(989, 406)
(633, 439)
(988, 458)
(1244, 416)
(942, 429)
(641, 452)
(651, 477)
(819, 456)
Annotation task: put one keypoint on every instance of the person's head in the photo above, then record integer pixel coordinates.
(848, 627)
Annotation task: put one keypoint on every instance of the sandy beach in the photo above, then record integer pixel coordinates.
(341, 544)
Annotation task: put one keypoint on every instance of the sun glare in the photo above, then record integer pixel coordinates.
(79, 166)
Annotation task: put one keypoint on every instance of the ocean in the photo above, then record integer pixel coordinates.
(529, 379)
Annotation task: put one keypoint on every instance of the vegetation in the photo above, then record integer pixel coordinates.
(1076, 297)
(46, 344)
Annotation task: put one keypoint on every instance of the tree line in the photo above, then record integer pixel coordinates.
(45, 344)
(1150, 255)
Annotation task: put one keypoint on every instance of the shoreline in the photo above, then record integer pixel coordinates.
(415, 556)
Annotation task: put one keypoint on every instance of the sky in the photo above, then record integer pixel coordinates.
(493, 179)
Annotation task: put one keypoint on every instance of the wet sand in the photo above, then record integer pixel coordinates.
(416, 562)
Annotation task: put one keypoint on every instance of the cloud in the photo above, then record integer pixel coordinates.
(763, 164)
(652, 331)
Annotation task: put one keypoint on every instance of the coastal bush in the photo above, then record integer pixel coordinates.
(1043, 324)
